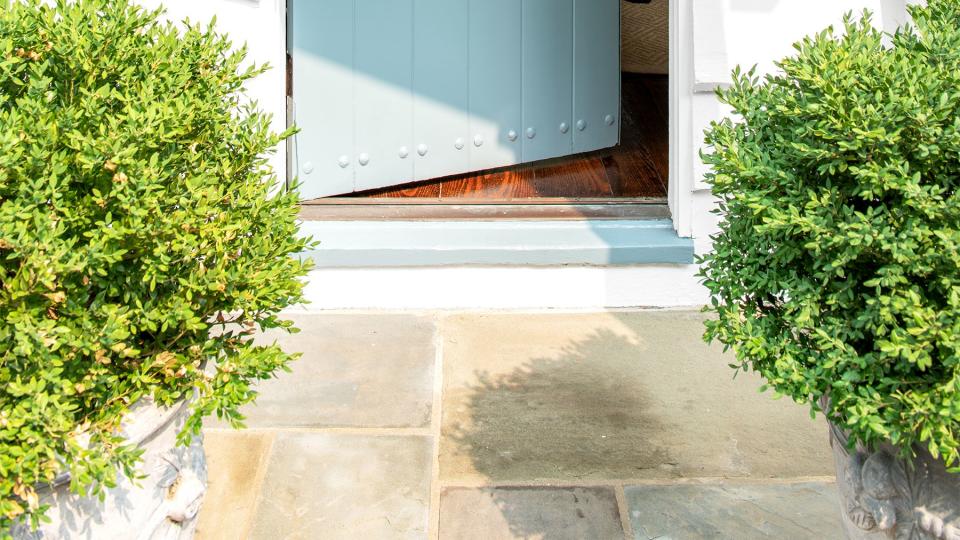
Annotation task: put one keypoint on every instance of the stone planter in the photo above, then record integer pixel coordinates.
(884, 496)
(163, 505)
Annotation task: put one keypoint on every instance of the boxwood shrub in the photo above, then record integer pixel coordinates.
(836, 271)
(141, 243)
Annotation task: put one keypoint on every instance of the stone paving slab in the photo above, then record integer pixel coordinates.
(507, 513)
(682, 512)
(356, 371)
(610, 396)
(235, 466)
(341, 486)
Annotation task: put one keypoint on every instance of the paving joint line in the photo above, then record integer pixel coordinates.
(630, 482)
(367, 431)
(259, 482)
(624, 512)
(445, 312)
(436, 421)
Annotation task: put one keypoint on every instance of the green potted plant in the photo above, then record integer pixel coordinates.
(142, 243)
(836, 270)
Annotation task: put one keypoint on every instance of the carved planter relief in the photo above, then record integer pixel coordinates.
(884, 496)
(162, 505)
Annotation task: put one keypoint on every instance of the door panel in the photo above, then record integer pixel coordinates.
(596, 58)
(547, 78)
(440, 107)
(495, 83)
(384, 92)
(323, 75)
(391, 91)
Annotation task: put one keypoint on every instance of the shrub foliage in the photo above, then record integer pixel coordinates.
(836, 272)
(136, 217)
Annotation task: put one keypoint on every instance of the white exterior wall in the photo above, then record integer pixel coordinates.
(708, 38)
(261, 24)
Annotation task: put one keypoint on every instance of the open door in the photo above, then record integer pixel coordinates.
(387, 92)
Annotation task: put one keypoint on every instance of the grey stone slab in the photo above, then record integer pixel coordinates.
(557, 397)
(681, 512)
(345, 487)
(544, 513)
(356, 371)
(235, 463)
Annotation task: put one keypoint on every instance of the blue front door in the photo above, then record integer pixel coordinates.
(393, 91)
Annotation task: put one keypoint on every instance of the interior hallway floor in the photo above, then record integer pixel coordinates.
(613, 425)
(635, 169)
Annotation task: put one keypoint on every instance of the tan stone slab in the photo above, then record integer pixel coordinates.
(356, 371)
(235, 467)
(796, 511)
(608, 396)
(338, 486)
(508, 513)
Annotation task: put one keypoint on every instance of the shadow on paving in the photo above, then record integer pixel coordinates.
(572, 416)
(630, 397)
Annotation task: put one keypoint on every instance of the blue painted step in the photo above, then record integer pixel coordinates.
(515, 243)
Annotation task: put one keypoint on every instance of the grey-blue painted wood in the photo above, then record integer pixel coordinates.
(547, 78)
(445, 243)
(383, 105)
(495, 84)
(596, 102)
(322, 45)
(390, 91)
(440, 87)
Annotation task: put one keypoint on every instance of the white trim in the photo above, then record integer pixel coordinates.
(525, 287)
(680, 119)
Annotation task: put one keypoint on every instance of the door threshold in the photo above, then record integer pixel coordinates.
(430, 210)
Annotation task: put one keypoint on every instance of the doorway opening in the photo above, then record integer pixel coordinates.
(623, 181)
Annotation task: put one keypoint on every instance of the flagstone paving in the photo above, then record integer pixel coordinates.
(516, 425)
(530, 512)
(734, 511)
(363, 371)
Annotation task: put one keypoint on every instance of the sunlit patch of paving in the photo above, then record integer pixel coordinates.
(517, 425)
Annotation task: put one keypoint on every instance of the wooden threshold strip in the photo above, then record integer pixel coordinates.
(534, 201)
(484, 211)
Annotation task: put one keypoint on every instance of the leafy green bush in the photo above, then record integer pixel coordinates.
(136, 218)
(836, 272)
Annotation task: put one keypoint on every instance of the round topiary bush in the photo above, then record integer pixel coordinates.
(836, 271)
(140, 242)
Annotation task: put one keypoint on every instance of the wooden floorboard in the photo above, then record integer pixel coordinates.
(635, 169)
(508, 184)
(583, 177)
(638, 167)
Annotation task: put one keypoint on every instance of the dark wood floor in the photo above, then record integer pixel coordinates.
(637, 168)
